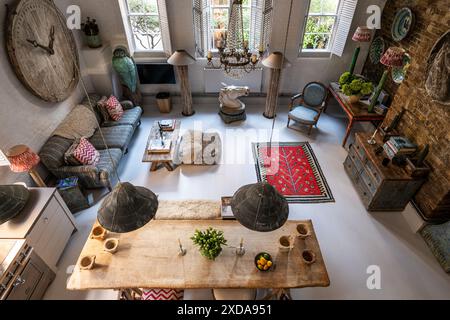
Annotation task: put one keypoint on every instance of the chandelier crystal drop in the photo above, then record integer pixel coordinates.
(235, 57)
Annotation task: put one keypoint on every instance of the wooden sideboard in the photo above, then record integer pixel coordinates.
(45, 223)
(381, 188)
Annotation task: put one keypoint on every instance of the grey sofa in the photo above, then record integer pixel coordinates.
(117, 135)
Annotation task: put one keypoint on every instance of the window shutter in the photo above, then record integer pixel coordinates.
(345, 18)
(261, 23)
(202, 14)
(164, 26)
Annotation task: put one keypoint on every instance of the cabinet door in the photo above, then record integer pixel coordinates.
(25, 284)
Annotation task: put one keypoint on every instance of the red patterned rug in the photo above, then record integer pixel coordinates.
(292, 168)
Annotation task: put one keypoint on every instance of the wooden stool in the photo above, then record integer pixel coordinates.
(234, 294)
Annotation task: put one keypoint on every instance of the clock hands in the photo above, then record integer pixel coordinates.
(52, 38)
(48, 49)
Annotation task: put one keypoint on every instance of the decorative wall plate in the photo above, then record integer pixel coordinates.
(403, 23)
(376, 50)
(399, 74)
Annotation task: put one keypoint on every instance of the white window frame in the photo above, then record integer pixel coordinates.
(163, 25)
(205, 40)
(320, 52)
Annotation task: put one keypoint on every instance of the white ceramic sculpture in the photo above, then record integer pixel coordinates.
(229, 95)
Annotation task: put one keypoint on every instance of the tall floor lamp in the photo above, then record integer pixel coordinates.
(23, 159)
(181, 59)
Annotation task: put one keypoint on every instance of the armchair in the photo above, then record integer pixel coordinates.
(311, 104)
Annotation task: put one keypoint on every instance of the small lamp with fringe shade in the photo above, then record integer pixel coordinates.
(23, 159)
(393, 57)
(362, 34)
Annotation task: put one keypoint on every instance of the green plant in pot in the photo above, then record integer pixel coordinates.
(355, 87)
(210, 242)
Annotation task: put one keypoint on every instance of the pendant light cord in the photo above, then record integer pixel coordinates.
(282, 66)
(83, 85)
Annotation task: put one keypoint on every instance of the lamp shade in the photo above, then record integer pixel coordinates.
(276, 61)
(12, 200)
(22, 158)
(393, 57)
(362, 34)
(127, 208)
(260, 207)
(180, 58)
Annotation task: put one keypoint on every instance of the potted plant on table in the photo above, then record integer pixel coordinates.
(210, 242)
(355, 87)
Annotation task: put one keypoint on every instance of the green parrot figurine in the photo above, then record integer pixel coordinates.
(126, 68)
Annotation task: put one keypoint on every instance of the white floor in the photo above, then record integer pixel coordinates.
(351, 239)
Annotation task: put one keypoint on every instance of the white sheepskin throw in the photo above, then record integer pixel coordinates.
(199, 148)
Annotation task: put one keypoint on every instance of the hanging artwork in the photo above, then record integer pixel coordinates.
(376, 50)
(437, 83)
(399, 73)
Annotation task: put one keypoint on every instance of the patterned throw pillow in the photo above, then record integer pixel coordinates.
(86, 153)
(114, 108)
(162, 294)
(69, 157)
(101, 107)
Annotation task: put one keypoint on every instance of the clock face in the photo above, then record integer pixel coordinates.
(42, 49)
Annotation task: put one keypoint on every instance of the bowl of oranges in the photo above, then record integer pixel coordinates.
(263, 261)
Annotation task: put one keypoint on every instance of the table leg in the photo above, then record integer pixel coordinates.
(154, 166)
(347, 133)
(169, 166)
(278, 294)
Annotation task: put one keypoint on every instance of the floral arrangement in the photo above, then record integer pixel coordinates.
(210, 242)
(352, 85)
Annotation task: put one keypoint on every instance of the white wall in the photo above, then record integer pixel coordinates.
(303, 70)
(24, 118)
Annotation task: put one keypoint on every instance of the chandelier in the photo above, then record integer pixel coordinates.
(234, 54)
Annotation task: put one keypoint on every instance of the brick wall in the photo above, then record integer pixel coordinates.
(425, 122)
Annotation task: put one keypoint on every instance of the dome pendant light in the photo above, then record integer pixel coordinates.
(127, 208)
(260, 207)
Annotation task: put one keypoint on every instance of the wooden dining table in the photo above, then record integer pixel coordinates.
(150, 258)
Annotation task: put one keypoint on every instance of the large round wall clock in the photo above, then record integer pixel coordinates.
(42, 50)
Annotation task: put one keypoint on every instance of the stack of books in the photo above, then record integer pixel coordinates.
(167, 125)
(399, 146)
(160, 146)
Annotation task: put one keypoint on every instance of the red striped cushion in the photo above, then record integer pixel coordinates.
(86, 153)
(114, 108)
(162, 294)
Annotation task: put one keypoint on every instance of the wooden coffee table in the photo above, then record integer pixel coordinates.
(162, 159)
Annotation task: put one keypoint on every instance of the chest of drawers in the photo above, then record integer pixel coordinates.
(381, 188)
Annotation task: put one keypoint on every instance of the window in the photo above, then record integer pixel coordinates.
(146, 25)
(211, 23)
(143, 19)
(320, 25)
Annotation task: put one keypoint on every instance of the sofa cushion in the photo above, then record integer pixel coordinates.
(105, 166)
(94, 98)
(52, 153)
(69, 157)
(86, 153)
(303, 115)
(114, 108)
(116, 137)
(80, 122)
(130, 117)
